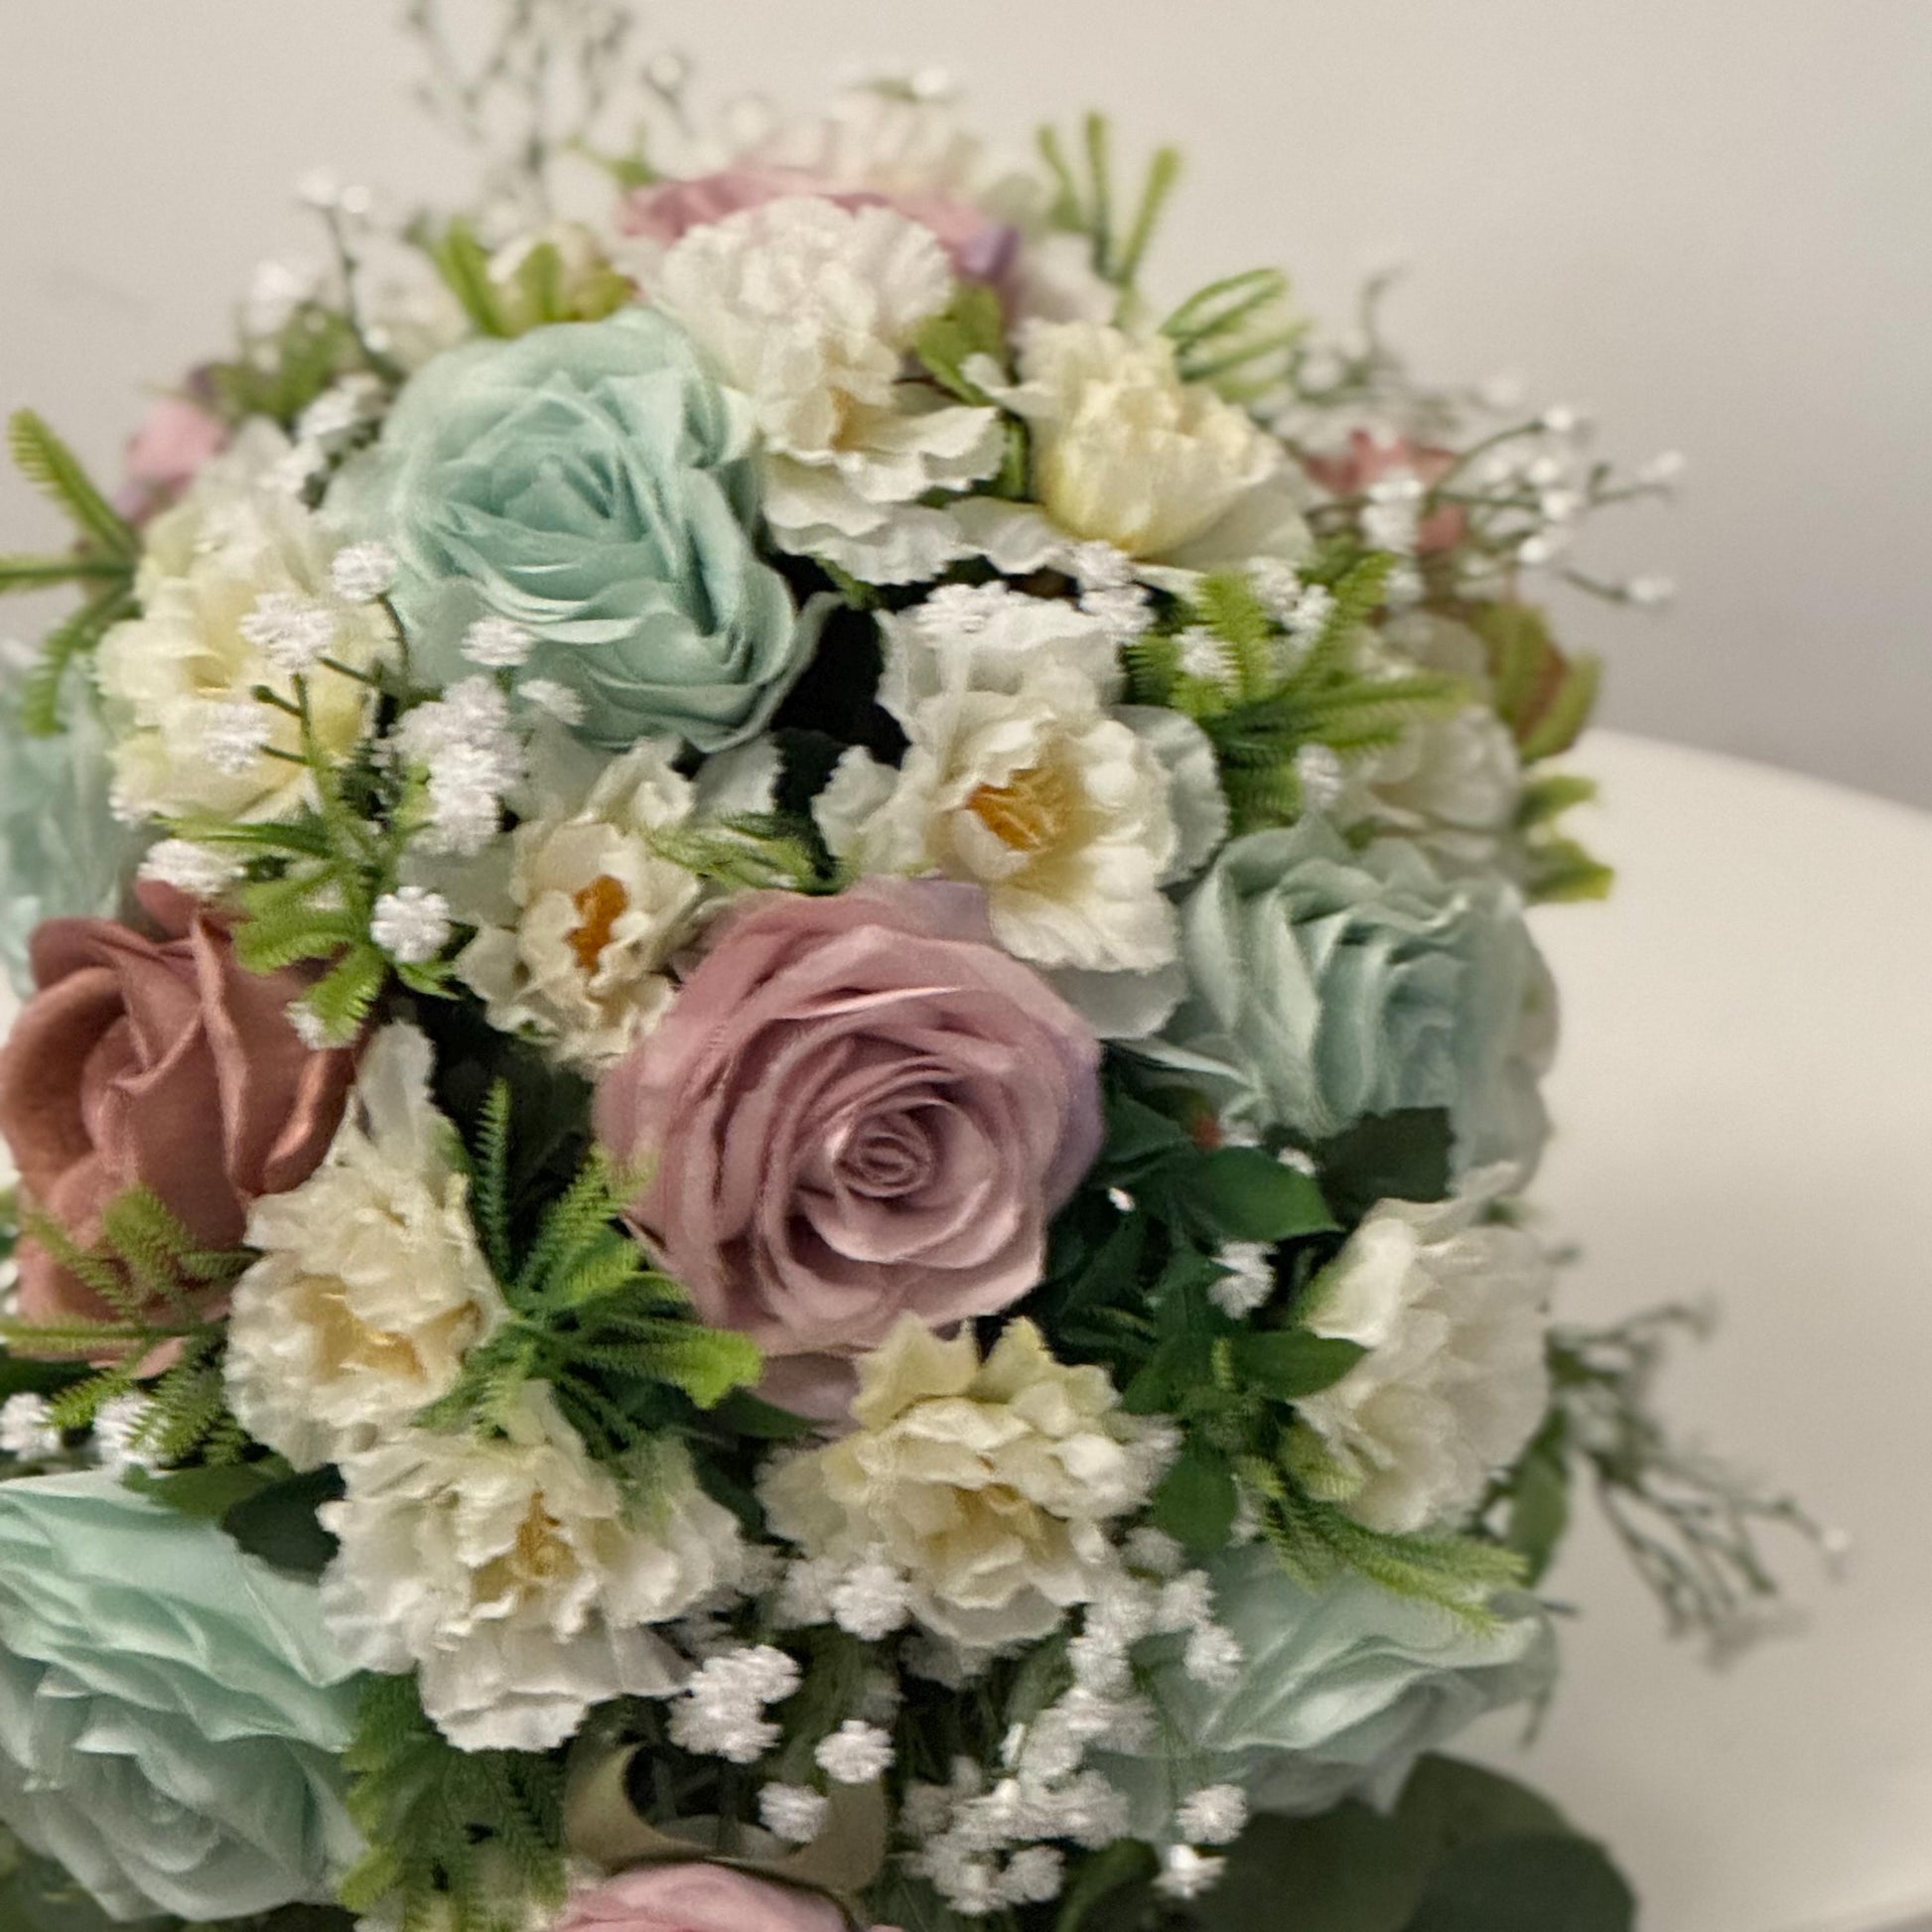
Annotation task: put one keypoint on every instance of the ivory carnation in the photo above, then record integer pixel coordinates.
(989, 1483)
(371, 1286)
(1450, 1307)
(516, 1576)
(809, 310)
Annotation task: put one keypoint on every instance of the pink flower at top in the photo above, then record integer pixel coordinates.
(176, 440)
(1366, 461)
(700, 1899)
(982, 249)
(859, 1107)
(157, 1063)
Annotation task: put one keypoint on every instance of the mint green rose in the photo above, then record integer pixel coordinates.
(590, 483)
(171, 1711)
(1329, 985)
(1339, 1690)
(62, 850)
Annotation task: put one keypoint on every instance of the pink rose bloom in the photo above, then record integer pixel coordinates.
(859, 1107)
(158, 1064)
(176, 440)
(700, 1899)
(1365, 462)
(981, 248)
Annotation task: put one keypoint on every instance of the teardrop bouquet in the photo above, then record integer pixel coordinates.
(778, 1057)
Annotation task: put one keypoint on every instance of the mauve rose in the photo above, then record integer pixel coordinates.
(700, 1899)
(176, 440)
(157, 1063)
(859, 1107)
(982, 249)
(1349, 472)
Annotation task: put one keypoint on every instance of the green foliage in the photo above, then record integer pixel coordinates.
(153, 1280)
(975, 326)
(750, 852)
(1088, 202)
(1275, 701)
(1236, 333)
(1403, 1155)
(280, 376)
(612, 1336)
(1464, 1850)
(462, 1840)
(540, 290)
(102, 563)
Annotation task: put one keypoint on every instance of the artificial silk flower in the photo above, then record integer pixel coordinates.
(371, 1286)
(808, 311)
(516, 1577)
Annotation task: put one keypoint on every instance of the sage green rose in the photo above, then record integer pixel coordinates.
(171, 1711)
(1339, 1690)
(62, 850)
(1328, 985)
(591, 483)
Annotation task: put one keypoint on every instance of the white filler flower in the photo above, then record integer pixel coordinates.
(370, 1287)
(1450, 1307)
(516, 1575)
(809, 311)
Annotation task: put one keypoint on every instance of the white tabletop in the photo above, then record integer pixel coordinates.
(1744, 1105)
(1745, 1109)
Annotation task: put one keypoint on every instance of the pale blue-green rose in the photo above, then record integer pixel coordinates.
(1339, 1690)
(1328, 985)
(171, 1711)
(591, 483)
(62, 850)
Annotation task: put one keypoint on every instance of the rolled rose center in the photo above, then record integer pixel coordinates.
(600, 906)
(891, 1154)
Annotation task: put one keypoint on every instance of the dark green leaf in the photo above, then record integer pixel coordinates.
(1100, 1881)
(1139, 1137)
(20, 1375)
(1555, 1883)
(1539, 1501)
(1388, 1157)
(1290, 1363)
(1349, 1870)
(747, 1416)
(211, 1493)
(1249, 1196)
(279, 1523)
(1197, 1500)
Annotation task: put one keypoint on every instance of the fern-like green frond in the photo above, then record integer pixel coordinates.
(54, 468)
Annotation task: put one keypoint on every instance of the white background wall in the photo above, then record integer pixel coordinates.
(1710, 221)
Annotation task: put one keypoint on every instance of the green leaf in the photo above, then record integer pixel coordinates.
(278, 1524)
(1197, 1500)
(1566, 711)
(743, 1414)
(1290, 1363)
(35, 1895)
(47, 462)
(1539, 1501)
(20, 1375)
(211, 1493)
(1246, 1195)
(74, 638)
(1404, 1156)
(464, 264)
(1562, 872)
(1349, 1870)
(1139, 1137)
(1100, 1880)
(1527, 1884)
(974, 325)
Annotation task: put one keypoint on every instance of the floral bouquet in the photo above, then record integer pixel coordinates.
(777, 1057)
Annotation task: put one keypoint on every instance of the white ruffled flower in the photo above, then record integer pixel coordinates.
(1451, 784)
(1127, 452)
(809, 310)
(989, 1484)
(1450, 1307)
(236, 592)
(370, 1287)
(1025, 777)
(516, 1577)
(577, 921)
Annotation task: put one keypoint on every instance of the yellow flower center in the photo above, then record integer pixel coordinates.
(600, 906)
(1032, 813)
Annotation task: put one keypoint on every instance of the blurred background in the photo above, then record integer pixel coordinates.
(1703, 221)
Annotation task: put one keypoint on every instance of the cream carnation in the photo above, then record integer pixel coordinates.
(1024, 778)
(1450, 1309)
(808, 310)
(238, 565)
(577, 922)
(1128, 453)
(371, 1286)
(516, 1577)
(990, 1484)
